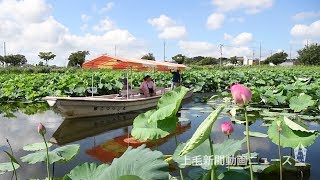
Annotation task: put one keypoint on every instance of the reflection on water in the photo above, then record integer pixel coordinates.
(103, 138)
(115, 147)
(72, 130)
(9, 109)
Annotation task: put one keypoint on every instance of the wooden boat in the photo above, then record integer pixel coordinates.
(126, 101)
(75, 107)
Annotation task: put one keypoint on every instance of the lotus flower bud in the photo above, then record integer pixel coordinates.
(279, 125)
(241, 94)
(41, 129)
(227, 128)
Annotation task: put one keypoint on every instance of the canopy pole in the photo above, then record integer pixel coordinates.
(92, 81)
(180, 84)
(127, 83)
(92, 84)
(131, 78)
(154, 73)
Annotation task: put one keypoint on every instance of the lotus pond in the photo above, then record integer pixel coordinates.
(281, 120)
(102, 139)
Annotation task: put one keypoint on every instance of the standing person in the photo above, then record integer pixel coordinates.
(147, 87)
(176, 79)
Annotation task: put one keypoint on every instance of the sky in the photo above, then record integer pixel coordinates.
(132, 28)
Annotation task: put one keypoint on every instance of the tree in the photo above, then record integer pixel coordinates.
(46, 56)
(15, 60)
(148, 56)
(208, 61)
(76, 59)
(277, 58)
(2, 60)
(309, 55)
(197, 59)
(188, 60)
(179, 58)
(40, 64)
(233, 60)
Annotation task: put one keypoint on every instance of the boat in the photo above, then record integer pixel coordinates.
(75, 107)
(128, 100)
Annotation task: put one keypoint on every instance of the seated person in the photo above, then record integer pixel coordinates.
(147, 87)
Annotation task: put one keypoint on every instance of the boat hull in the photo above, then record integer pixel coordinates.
(75, 107)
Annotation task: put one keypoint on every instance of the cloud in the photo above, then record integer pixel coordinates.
(107, 7)
(173, 32)
(306, 15)
(168, 28)
(215, 21)
(104, 25)
(84, 27)
(200, 48)
(236, 19)
(32, 11)
(249, 6)
(28, 28)
(303, 42)
(85, 18)
(241, 39)
(306, 31)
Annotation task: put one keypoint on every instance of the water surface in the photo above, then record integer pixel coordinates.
(103, 138)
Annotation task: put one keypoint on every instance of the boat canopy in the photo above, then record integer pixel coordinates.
(114, 62)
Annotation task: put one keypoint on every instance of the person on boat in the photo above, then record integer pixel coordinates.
(176, 78)
(124, 83)
(147, 87)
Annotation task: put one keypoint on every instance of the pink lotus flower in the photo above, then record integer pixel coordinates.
(227, 128)
(41, 129)
(241, 94)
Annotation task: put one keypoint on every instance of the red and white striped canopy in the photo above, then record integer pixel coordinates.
(113, 62)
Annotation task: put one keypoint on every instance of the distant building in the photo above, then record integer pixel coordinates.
(287, 63)
(244, 60)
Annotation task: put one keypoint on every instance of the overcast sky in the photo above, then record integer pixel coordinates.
(136, 27)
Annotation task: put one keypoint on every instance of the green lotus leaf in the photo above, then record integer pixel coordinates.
(7, 167)
(290, 138)
(129, 177)
(295, 126)
(233, 111)
(12, 158)
(160, 122)
(199, 174)
(141, 162)
(173, 98)
(183, 119)
(61, 154)
(256, 134)
(144, 130)
(86, 171)
(228, 148)
(36, 146)
(234, 174)
(301, 102)
(257, 168)
(196, 108)
(288, 163)
(213, 97)
(202, 133)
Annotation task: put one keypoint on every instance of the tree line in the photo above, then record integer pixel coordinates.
(309, 55)
(75, 59)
